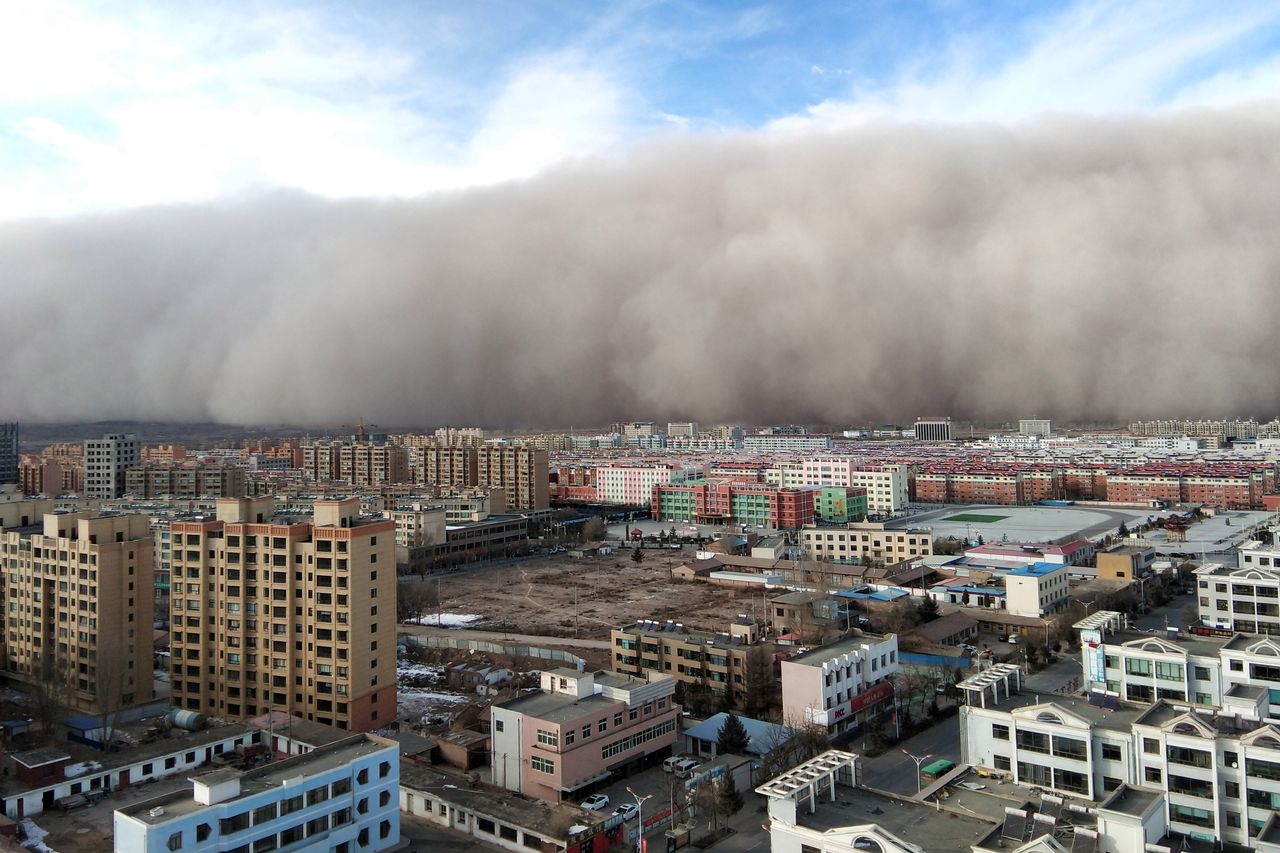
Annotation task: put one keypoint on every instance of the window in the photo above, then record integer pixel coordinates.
(548, 737)
(203, 831)
(1152, 774)
(999, 732)
(542, 765)
(497, 725)
(1002, 762)
(174, 842)
(384, 769)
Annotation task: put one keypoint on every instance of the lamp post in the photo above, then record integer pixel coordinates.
(918, 760)
(639, 818)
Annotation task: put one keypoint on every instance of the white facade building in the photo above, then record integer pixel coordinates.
(842, 684)
(344, 797)
(785, 442)
(1035, 427)
(886, 489)
(865, 540)
(1036, 590)
(1244, 599)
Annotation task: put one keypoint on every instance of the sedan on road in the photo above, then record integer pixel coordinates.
(596, 803)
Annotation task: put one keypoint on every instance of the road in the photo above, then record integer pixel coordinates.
(426, 837)
(500, 637)
(893, 771)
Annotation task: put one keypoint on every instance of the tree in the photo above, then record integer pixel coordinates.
(730, 799)
(707, 800)
(900, 617)
(759, 684)
(637, 556)
(1123, 532)
(593, 530)
(732, 736)
(927, 609)
(51, 693)
(414, 599)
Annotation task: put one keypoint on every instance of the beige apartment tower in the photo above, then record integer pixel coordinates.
(287, 613)
(79, 606)
(522, 472)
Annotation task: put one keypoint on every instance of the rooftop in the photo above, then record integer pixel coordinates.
(1163, 712)
(1039, 569)
(931, 829)
(822, 654)
(558, 707)
(1120, 719)
(1193, 644)
(1131, 801)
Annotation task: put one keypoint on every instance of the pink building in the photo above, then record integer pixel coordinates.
(841, 685)
(582, 730)
(632, 485)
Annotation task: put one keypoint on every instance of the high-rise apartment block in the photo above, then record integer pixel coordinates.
(285, 613)
(79, 603)
(185, 481)
(358, 463)
(8, 453)
(522, 472)
(1035, 427)
(107, 461)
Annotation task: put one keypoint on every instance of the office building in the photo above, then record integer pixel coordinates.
(1036, 590)
(841, 685)
(79, 591)
(683, 429)
(581, 729)
(1035, 427)
(342, 797)
(933, 429)
(300, 617)
(8, 453)
(867, 540)
(107, 461)
(1245, 598)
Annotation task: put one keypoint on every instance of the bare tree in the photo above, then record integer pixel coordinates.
(414, 599)
(593, 530)
(759, 682)
(51, 692)
(112, 693)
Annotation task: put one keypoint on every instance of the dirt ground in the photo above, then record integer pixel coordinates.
(604, 592)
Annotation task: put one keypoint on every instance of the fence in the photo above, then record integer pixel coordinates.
(496, 649)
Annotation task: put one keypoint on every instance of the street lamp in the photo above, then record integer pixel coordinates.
(639, 818)
(918, 760)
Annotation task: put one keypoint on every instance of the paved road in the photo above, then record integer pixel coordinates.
(500, 637)
(895, 772)
(425, 837)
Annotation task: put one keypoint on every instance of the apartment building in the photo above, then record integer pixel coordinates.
(717, 661)
(342, 797)
(839, 504)
(866, 540)
(582, 730)
(8, 453)
(841, 685)
(1244, 598)
(190, 480)
(1035, 427)
(632, 485)
(685, 429)
(1036, 590)
(785, 442)
(291, 613)
(420, 530)
(1219, 770)
(887, 488)
(358, 463)
(723, 502)
(107, 461)
(521, 472)
(79, 603)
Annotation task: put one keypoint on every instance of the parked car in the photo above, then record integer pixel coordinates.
(684, 769)
(627, 811)
(670, 764)
(1014, 638)
(596, 802)
(1004, 638)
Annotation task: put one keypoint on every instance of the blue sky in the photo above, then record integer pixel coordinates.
(112, 105)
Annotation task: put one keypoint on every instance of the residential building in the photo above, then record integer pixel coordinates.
(342, 797)
(1035, 427)
(1036, 590)
(357, 462)
(685, 429)
(784, 442)
(281, 612)
(841, 685)
(521, 472)
(8, 453)
(933, 429)
(185, 480)
(164, 453)
(866, 540)
(107, 461)
(1011, 554)
(1245, 598)
(715, 661)
(887, 487)
(839, 504)
(581, 730)
(632, 485)
(1125, 562)
(448, 466)
(723, 502)
(420, 531)
(40, 476)
(80, 594)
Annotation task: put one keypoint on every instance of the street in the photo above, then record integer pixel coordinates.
(895, 772)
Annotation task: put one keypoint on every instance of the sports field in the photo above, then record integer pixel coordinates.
(975, 518)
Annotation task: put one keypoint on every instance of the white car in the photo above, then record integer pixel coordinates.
(596, 802)
(627, 810)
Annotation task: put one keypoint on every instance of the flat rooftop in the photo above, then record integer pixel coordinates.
(1131, 801)
(558, 707)
(822, 654)
(1120, 719)
(1162, 712)
(265, 778)
(1193, 644)
(920, 824)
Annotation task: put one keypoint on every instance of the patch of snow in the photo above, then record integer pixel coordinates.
(409, 671)
(576, 828)
(34, 836)
(447, 620)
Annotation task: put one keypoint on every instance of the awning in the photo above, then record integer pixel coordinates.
(585, 782)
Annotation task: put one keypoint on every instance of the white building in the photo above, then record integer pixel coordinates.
(1035, 427)
(106, 460)
(842, 684)
(686, 429)
(886, 488)
(340, 797)
(933, 429)
(1244, 599)
(785, 442)
(1036, 590)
